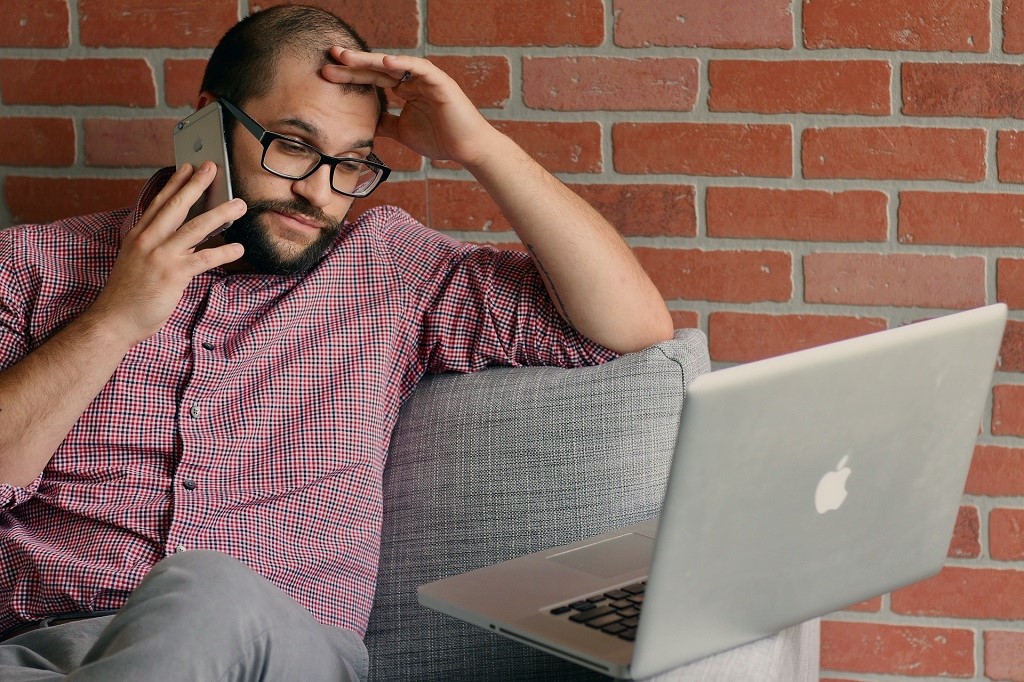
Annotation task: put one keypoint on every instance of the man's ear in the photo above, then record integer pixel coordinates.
(204, 99)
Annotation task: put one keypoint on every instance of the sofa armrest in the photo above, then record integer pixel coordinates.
(488, 466)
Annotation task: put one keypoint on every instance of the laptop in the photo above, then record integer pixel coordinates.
(799, 485)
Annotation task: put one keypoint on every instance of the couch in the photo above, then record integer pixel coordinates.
(488, 466)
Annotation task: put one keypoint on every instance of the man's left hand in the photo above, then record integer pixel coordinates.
(437, 121)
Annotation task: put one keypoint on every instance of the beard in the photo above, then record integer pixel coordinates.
(266, 257)
(262, 254)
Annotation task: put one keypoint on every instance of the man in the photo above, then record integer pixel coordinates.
(192, 437)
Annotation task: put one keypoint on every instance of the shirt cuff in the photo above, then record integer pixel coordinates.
(11, 495)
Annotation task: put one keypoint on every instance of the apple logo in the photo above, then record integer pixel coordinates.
(197, 146)
(831, 491)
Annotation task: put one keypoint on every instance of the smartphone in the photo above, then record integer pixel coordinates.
(199, 138)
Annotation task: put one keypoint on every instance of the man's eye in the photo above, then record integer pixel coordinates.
(351, 166)
(292, 147)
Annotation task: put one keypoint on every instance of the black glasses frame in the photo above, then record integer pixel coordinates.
(266, 137)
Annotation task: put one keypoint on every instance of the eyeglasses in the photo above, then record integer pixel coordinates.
(295, 160)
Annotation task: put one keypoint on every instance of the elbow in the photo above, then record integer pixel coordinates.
(638, 335)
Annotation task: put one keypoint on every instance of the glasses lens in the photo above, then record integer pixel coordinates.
(355, 177)
(290, 159)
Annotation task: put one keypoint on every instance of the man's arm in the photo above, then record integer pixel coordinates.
(45, 393)
(590, 273)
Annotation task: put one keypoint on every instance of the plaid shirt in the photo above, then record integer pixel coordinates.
(256, 421)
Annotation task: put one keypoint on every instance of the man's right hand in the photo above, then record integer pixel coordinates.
(44, 393)
(159, 257)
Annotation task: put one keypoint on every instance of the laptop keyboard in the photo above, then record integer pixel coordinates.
(615, 612)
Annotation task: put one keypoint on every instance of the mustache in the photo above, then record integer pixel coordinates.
(299, 205)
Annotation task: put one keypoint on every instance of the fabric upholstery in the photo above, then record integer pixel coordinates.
(488, 466)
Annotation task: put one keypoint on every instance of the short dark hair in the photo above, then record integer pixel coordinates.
(243, 66)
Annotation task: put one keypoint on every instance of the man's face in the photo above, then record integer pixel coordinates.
(290, 223)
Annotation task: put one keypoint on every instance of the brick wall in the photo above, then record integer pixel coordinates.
(790, 173)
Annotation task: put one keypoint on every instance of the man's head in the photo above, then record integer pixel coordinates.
(244, 63)
(269, 65)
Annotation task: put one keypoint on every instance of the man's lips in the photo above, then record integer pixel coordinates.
(302, 220)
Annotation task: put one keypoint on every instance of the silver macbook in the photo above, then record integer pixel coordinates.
(800, 484)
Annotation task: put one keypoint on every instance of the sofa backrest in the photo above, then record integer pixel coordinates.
(488, 466)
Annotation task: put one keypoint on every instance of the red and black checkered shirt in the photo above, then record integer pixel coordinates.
(256, 421)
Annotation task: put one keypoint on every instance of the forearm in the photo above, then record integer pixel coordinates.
(590, 272)
(44, 394)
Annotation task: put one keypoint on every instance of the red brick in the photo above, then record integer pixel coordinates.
(1013, 26)
(905, 280)
(461, 205)
(182, 80)
(743, 24)
(35, 23)
(382, 23)
(996, 472)
(1010, 155)
(723, 149)
(40, 141)
(1010, 282)
(685, 319)
(873, 605)
(1008, 410)
(485, 79)
(561, 147)
(966, 542)
(645, 210)
(798, 214)
(895, 153)
(1006, 534)
(810, 87)
(1004, 656)
(41, 200)
(903, 25)
(960, 219)
(123, 82)
(155, 23)
(521, 23)
(610, 83)
(970, 90)
(410, 195)
(743, 337)
(635, 210)
(897, 649)
(1011, 354)
(131, 143)
(396, 155)
(961, 592)
(728, 276)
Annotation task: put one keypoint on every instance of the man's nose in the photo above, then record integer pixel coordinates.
(316, 188)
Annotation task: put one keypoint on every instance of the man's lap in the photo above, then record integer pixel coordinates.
(198, 615)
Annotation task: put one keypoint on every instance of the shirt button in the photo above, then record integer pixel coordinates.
(208, 346)
(189, 484)
(179, 549)
(194, 411)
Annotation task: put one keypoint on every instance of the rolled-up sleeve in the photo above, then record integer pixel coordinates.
(11, 496)
(482, 306)
(14, 341)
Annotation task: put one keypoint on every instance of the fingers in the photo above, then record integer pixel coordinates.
(170, 207)
(372, 68)
(203, 225)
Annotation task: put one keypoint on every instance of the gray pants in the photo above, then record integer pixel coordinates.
(197, 616)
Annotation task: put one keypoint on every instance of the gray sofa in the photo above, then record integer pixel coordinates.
(488, 466)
